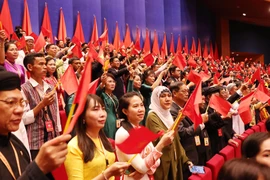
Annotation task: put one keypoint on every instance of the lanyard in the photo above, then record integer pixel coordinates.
(4, 160)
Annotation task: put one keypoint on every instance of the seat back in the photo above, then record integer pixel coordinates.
(256, 128)
(237, 149)
(227, 152)
(262, 126)
(215, 164)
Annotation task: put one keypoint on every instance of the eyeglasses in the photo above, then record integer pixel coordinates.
(14, 103)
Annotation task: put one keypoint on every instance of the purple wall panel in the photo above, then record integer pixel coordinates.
(135, 16)
(188, 21)
(172, 20)
(155, 18)
(114, 11)
(185, 17)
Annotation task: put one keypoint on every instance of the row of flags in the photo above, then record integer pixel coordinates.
(46, 30)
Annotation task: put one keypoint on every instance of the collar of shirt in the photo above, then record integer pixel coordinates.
(34, 83)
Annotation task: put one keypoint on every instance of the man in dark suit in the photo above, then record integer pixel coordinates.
(190, 137)
(118, 74)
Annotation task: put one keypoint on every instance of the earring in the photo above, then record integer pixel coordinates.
(83, 121)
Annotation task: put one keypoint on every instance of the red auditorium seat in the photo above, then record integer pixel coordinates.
(215, 164)
(206, 176)
(246, 134)
(256, 128)
(237, 149)
(262, 126)
(227, 152)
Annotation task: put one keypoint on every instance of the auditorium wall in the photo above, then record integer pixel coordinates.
(250, 38)
(185, 17)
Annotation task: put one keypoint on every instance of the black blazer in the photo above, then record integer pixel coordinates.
(119, 88)
(187, 133)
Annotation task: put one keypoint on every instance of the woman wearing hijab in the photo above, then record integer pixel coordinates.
(132, 110)
(160, 119)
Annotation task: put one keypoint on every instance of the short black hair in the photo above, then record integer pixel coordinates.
(112, 58)
(70, 61)
(175, 86)
(30, 59)
(172, 69)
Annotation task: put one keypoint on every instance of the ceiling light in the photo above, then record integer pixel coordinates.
(244, 14)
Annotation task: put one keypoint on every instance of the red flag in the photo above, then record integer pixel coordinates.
(137, 140)
(62, 30)
(34, 36)
(164, 49)
(100, 57)
(148, 59)
(6, 18)
(268, 70)
(192, 62)
(199, 50)
(244, 108)
(1, 25)
(46, 24)
(94, 37)
(211, 50)
(26, 24)
(103, 36)
(205, 51)
(194, 77)
(191, 108)
(215, 79)
(76, 50)
(127, 40)
(179, 61)
(193, 47)
(80, 96)
(105, 33)
(116, 41)
(79, 30)
(179, 45)
(40, 42)
(261, 96)
(21, 43)
(186, 45)
(92, 53)
(172, 45)
(256, 76)
(69, 81)
(220, 105)
(93, 86)
(14, 36)
(138, 39)
(146, 47)
(262, 87)
(204, 66)
(216, 56)
(227, 79)
(204, 76)
(155, 48)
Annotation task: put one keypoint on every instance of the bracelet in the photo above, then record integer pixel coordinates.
(103, 173)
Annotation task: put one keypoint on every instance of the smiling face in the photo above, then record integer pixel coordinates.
(135, 111)
(137, 82)
(10, 116)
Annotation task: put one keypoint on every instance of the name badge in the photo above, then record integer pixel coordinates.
(118, 123)
(206, 141)
(197, 140)
(49, 125)
(220, 132)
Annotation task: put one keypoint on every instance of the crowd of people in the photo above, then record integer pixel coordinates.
(130, 94)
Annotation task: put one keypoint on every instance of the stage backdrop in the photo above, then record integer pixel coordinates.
(185, 17)
(250, 38)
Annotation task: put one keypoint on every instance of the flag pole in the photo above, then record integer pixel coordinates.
(69, 117)
(177, 121)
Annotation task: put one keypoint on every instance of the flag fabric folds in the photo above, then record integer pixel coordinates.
(26, 24)
(146, 47)
(69, 81)
(149, 59)
(220, 105)
(127, 40)
(40, 42)
(46, 24)
(244, 108)
(179, 45)
(172, 45)
(94, 36)
(62, 30)
(137, 140)
(116, 41)
(191, 108)
(79, 30)
(155, 48)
